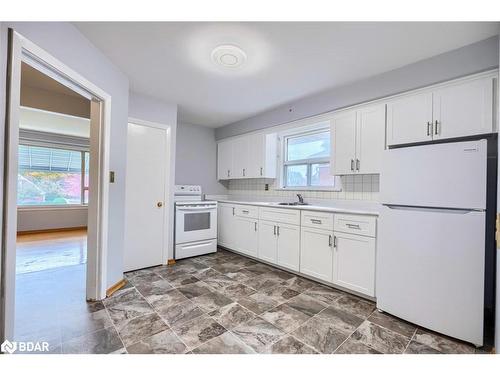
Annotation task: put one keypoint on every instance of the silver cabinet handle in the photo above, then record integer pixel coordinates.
(228, 173)
(334, 242)
(352, 165)
(243, 172)
(330, 240)
(429, 128)
(353, 226)
(278, 230)
(274, 230)
(245, 211)
(255, 226)
(357, 164)
(233, 211)
(436, 130)
(315, 221)
(261, 171)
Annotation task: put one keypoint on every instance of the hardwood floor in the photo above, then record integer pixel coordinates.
(49, 250)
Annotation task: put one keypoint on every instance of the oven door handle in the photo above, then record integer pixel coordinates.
(205, 208)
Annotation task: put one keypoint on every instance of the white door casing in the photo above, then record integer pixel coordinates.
(23, 50)
(146, 199)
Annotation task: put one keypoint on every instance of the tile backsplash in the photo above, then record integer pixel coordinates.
(358, 187)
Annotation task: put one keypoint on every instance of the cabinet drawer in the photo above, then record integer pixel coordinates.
(320, 220)
(355, 224)
(247, 211)
(280, 215)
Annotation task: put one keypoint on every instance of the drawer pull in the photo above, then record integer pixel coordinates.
(330, 240)
(255, 226)
(353, 226)
(245, 211)
(315, 221)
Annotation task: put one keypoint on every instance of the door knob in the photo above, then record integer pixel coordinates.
(159, 204)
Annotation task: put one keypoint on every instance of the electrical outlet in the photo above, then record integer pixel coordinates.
(266, 187)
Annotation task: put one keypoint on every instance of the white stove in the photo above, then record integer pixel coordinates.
(195, 222)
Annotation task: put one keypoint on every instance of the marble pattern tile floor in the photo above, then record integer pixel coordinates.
(225, 303)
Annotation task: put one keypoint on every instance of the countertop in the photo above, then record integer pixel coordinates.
(341, 206)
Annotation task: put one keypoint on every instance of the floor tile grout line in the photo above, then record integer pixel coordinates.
(409, 342)
(116, 329)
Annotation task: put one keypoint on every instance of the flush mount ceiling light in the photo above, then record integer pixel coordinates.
(228, 56)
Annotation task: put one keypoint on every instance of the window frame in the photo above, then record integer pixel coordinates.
(68, 147)
(319, 127)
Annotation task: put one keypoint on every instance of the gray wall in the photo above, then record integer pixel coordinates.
(51, 218)
(196, 158)
(470, 59)
(67, 44)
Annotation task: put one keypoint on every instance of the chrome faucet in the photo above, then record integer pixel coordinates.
(301, 199)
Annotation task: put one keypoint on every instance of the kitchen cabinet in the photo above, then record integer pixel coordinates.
(224, 160)
(456, 109)
(354, 262)
(227, 236)
(358, 139)
(251, 156)
(316, 253)
(247, 236)
(268, 246)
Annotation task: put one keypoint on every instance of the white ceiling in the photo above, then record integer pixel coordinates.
(285, 61)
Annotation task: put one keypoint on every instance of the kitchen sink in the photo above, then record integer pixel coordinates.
(292, 204)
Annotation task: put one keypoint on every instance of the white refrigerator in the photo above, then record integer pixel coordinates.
(431, 251)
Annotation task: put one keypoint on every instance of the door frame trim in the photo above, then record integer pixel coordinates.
(168, 216)
(23, 50)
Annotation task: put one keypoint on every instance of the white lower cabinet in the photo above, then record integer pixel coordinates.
(288, 246)
(306, 243)
(247, 236)
(225, 225)
(268, 246)
(316, 253)
(354, 262)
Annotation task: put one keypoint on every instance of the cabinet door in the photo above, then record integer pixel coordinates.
(316, 253)
(407, 119)
(240, 157)
(247, 239)
(463, 109)
(354, 263)
(224, 160)
(343, 133)
(268, 241)
(225, 225)
(289, 246)
(256, 159)
(370, 139)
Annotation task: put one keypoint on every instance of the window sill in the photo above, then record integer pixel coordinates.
(52, 208)
(309, 188)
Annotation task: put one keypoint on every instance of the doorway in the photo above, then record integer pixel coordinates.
(46, 168)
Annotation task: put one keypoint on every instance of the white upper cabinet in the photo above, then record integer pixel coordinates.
(456, 109)
(252, 156)
(224, 160)
(463, 109)
(343, 133)
(370, 138)
(409, 119)
(358, 139)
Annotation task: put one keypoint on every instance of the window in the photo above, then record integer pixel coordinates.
(306, 160)
(52, 176)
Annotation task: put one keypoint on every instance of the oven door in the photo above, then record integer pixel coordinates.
(195, 222)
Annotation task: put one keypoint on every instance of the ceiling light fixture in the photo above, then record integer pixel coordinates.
(228, 56)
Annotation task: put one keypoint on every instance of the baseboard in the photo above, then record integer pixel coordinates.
(115, 287)
(55, 230)
(170, 262)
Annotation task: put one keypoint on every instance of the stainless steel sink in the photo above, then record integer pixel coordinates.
(292, 204)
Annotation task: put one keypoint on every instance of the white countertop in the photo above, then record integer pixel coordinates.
(344, 206)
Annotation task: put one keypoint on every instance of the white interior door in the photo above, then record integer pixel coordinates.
(146, 205)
